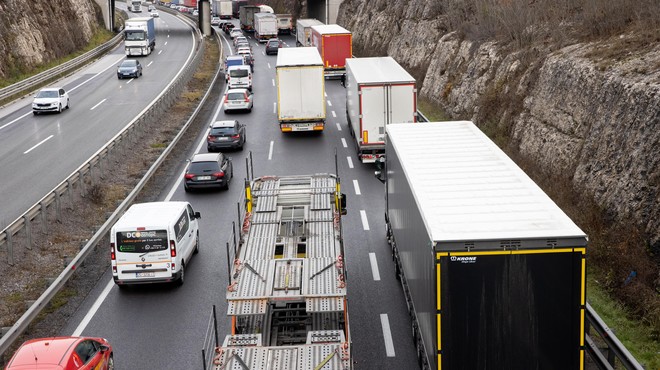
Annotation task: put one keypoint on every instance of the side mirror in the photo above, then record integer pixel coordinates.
(104, 348)
(197, 215)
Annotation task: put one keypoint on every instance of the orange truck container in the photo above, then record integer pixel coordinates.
(335, 45)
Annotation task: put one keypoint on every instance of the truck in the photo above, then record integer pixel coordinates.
(223, 8)
(134, 6)
(378, 92)
(287, 285)
(265, 26)
(236, 7)
(300, 89)
(284, 23)
(189, 3)
(246, 19)
(304, 31)
(139, 36)
(493, 271)
(335, 44)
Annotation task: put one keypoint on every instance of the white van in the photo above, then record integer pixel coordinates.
(153, 242)
(239, 77)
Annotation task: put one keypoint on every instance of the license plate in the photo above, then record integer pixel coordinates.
(145, 274)
(202, 178)
(223, 138)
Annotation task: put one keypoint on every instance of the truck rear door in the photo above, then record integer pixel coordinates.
(403, 104)
(373, 110)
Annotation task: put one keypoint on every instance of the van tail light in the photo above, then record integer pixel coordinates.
(172, 249)
(189, 176)
(113, 256)
(219, 175)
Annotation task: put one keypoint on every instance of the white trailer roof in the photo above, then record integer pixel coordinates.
(330, 29)
(306, 56)
(265, 15)
(378, 70)
(467, 188)
(308, 22)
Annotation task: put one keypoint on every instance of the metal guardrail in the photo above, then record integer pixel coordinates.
(614, 350)
(164, 100)
(32, 82)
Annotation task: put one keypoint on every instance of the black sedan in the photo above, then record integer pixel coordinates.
(273, 46)
(208, 170)
(226, 135)
(129, 68)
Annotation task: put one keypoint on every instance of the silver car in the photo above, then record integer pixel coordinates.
(238, 99)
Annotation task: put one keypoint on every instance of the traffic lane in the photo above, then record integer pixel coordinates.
(377, 300)
(83, 129)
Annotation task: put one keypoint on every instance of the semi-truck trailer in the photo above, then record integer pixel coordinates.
(335, 44)
(223, 8)
(304, 31)
(236, 7)
(378, 92)
(139, 36)
(287, 292)
(300, 89)
(491, 268)
(246, 19)
(265, 26)
(284, 23)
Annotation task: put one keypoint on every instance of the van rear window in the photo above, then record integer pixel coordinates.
(238, 73)
(141, 241)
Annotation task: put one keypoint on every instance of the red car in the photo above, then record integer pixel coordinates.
(63, 353)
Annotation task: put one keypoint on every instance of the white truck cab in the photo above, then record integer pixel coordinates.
(153, 242)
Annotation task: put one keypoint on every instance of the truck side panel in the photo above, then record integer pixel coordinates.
(514, 306)
(414, 251)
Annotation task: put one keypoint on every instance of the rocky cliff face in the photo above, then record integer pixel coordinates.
(577, 112)
(37, 31)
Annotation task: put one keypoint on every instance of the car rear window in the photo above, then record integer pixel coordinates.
(203, 167)
(238, 73)
(235, 96)
(223, 130)
(141, 241)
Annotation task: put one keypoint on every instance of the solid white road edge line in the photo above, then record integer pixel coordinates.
(357, 187)
(343, 142)
(92, 311)
(365, 222)
(350, 162)
(270, 151)
(99, 103)
(41, 142)
(374, 266)
(387, 335)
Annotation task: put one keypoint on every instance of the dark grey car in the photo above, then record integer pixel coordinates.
(208, 170)
(129, 68)
(226, 135)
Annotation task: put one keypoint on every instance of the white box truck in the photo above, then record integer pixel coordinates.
(304, 31)
(284, 23)
(378, 92)
(139, 36)
(224, 9)
(300, 90)
(493, 271)
(153, 242)
(265, 26)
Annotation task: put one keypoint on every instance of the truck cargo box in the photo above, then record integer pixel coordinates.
(335, 44)
(265, 26)
(246, 19)
(284, 23)
(378, 92)
(492, 269)
(304, 31)
(300, 89)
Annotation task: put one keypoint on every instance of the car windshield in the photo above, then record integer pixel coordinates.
(47, 94)
(223, 131)
(235, 96)
(238, 73)
(203, 167)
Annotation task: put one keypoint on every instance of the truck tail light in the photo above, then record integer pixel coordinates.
(172, 250)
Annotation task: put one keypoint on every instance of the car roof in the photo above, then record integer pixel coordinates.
(230, 123)
(205, 157)
(241, 90)
(50, 89)
(234, 57)
(47, 351)
(239, 67)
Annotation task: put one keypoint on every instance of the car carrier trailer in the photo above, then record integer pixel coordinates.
(493, 271)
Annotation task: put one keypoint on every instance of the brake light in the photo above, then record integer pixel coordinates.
(219, 174)
(247, 99)
(112, 252)
(172, 249)
(189, 176)
(226, 98)
(210, 137)
(236, 137)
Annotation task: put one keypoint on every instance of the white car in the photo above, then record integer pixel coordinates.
(215, 21)
(154, 13)
(238, 99)
(235, 32)
(51, 99)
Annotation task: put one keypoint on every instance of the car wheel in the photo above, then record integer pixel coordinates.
(59, 108)
(67, 104)
(35, 112)
(196, 244)
(111, 363)
(187, 189)
(182, 276)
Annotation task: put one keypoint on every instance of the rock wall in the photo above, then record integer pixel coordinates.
(594, 119)
(38, 31)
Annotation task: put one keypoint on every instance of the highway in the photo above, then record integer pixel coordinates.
(38, 152)
(163, 327)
